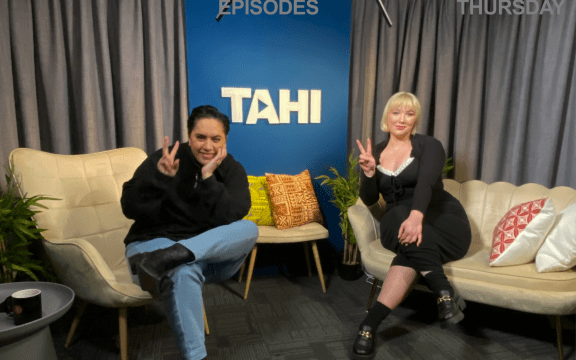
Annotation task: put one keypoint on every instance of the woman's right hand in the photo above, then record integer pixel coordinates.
(167, 165)
(366, 160)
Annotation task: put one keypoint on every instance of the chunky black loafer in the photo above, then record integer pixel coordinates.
(365, 344)
(450, 309)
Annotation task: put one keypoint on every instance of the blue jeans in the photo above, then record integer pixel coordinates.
(219, 254)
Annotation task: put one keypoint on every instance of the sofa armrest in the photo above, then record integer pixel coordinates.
(365, 226)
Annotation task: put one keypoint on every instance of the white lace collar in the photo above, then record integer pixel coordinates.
(398, 171)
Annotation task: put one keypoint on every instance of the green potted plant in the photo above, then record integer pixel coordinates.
(17, 229)
(346, 192)
(448, 165)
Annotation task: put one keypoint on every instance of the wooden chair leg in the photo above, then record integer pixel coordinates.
(81, 307)
(250, 270)
(242, 271)
(307, 254)
(123, 329)
(372, 293)
(559, 337)
(206, 329)
(318, 265)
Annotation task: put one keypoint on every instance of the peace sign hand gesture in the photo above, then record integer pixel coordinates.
(167, 165)
(366, 160)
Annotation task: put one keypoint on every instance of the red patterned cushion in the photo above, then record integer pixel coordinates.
(293, 200)
(521, 232)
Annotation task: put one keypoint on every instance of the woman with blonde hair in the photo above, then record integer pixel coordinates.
(424, 225)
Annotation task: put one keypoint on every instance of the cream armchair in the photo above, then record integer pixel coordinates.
(86, 228)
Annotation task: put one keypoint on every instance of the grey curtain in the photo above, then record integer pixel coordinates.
(499, 91)
(80, 76)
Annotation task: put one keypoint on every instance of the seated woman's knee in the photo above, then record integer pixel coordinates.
(249, 228)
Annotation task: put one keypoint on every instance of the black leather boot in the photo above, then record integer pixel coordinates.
(154, 266)
(365, 344)
(450, 309)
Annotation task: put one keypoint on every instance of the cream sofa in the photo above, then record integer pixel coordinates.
(518, 287)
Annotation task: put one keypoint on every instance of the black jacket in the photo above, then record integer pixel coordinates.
(430, 155)
(183, 206)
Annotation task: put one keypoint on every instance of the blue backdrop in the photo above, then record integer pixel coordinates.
(272, 52)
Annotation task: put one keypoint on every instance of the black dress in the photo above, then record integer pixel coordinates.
(417, 185)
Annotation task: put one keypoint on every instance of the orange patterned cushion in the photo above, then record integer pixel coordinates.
(293, 200)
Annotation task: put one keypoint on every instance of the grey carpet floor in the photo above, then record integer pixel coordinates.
(289, 318)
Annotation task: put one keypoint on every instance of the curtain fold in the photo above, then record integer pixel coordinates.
(498, 91)
(92, 75)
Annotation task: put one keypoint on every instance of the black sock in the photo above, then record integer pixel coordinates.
(377, 313)
(437, 281)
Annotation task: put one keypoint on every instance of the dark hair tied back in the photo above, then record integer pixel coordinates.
(207, 112)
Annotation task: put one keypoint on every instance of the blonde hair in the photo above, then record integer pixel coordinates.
(402, 99)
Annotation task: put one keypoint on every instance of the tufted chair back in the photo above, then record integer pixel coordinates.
(85, 229)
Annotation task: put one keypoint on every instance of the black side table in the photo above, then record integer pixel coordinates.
(33, 341)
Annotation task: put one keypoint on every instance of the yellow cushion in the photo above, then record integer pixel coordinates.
(293, 200)
(260, 211)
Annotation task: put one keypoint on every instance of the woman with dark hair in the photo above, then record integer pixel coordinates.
(188, 202)
(424, 225)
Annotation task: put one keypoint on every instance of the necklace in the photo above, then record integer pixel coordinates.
(402, 145)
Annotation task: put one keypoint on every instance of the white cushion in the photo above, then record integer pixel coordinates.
(558, 253)
(521, 232)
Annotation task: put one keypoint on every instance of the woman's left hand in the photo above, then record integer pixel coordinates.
(411, 229)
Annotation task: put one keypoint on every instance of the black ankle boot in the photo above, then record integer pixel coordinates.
(365, 344)
(450, 308)
(153, 266)
(133, 262)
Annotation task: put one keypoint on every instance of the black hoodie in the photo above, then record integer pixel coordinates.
(185, 205)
